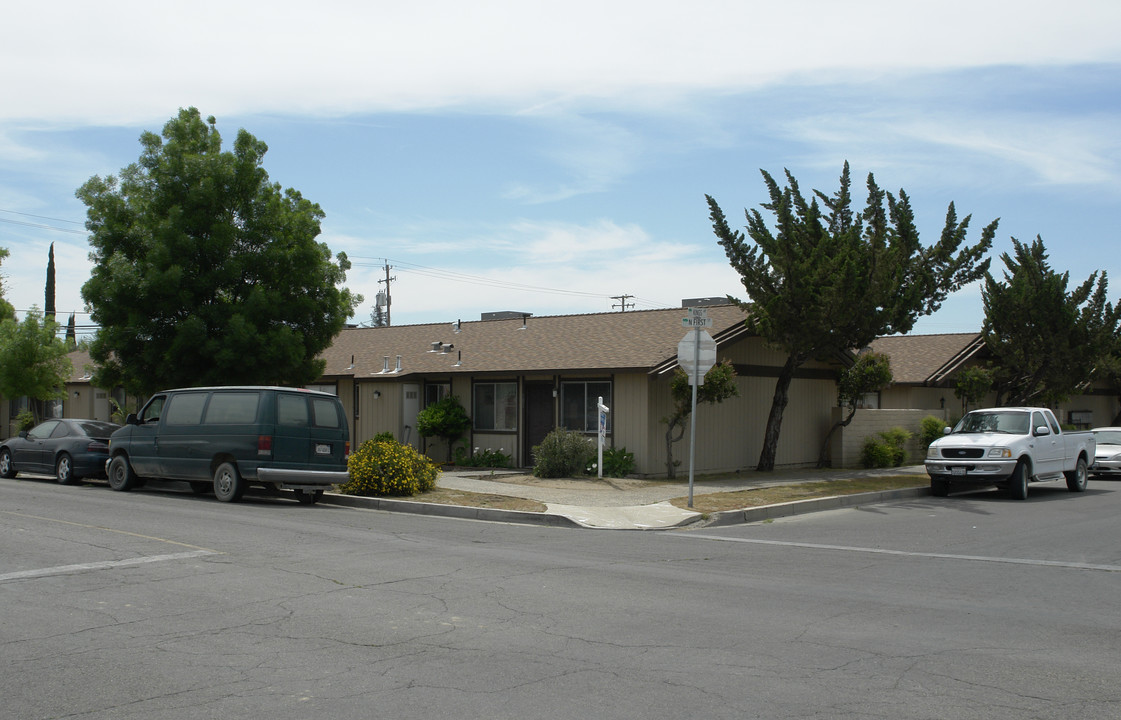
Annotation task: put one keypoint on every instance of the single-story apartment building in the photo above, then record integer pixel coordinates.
(519, 376)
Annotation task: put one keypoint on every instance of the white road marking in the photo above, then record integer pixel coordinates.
(103, 565)
(881, 551)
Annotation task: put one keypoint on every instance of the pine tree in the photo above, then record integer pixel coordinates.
(830, 282)
(1045, 341)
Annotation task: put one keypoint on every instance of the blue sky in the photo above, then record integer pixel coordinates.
(544, 157)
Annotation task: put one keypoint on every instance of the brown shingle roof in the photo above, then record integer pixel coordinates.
(925, 359)
(80, 366)
(636, 340)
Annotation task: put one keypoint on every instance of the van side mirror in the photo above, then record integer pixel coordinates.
(131, 419)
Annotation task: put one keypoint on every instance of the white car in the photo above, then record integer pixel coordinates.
(1107, 457)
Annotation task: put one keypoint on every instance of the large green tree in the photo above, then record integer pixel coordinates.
(829, 279)
(1045, 340)
(33, 360)
(204, 271)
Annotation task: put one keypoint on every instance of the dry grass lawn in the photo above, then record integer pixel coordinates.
(702, 503)
(757, 497)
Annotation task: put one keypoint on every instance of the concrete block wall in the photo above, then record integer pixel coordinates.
(847, 443)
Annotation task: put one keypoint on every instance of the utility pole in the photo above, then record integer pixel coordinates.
(388, 296)
(623, 304)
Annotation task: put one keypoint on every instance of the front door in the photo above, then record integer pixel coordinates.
(540, 416)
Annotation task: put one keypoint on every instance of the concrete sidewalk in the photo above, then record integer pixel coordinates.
(627, 504)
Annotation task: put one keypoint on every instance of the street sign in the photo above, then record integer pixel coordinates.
(696, 354)
(696, 322)
(697, 312)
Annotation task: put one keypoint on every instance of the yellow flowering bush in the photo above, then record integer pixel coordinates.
(386, 467)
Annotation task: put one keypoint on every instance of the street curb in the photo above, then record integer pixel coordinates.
(803, 507)
(456, 511)
(728, 517)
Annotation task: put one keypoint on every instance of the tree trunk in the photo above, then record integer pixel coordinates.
(671, 468)
(778, 406)
(823, 457)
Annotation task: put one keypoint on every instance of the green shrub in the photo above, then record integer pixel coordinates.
(876, 453)
(25, 420)
(563, 453)
(445, 419)
(886, 449)
(384, 437)
(482, 458)
(387, 467)
(931, 428)
(617, 462)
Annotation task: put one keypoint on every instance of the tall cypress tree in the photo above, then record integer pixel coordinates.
(71, 333)
(49, 300)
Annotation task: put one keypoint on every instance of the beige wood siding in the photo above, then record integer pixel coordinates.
(630, 415)
(730, 434)
(378, 414)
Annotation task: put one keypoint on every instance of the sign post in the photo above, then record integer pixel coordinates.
(696, 354)
(603, 410)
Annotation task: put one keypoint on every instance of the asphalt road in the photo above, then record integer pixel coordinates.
(159, 604)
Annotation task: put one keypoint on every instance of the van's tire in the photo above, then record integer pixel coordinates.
(1076, 479)
(228, 485)
(121, 476)
(939, 487)
(1018, 483)
(64, 469)
(308, 497)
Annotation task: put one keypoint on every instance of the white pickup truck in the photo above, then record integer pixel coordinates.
(1009, 447)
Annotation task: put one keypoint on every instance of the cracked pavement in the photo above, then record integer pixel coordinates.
(333, 612)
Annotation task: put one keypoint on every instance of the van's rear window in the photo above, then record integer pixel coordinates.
(228, 408)
(325, 413)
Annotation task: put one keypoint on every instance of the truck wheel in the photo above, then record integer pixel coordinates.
(1076, 479)
(121, 476)
(1018, 483)
(939, 487)
(228, 485)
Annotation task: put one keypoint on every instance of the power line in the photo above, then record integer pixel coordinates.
(41, 226)
(453, 276)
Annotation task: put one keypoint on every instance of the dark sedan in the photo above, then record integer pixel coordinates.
(67, 448)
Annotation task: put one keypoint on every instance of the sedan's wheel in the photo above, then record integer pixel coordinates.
(308, 497)
(939, 487)
(1018, 484)
(121, 476)
(64, 470)
(228, 485)
(6, 469)
(1076, 479)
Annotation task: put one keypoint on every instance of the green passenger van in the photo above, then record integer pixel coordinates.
(226, 438)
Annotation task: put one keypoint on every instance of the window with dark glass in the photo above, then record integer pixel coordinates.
(495, 406)
(579, 409)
